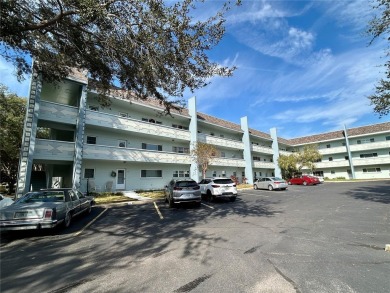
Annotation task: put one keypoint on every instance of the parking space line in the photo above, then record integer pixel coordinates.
(89, 224)
(208, 206)
(158, 211)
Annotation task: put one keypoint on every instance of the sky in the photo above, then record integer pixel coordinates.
(304, 67)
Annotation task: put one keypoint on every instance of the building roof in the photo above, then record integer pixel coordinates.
(219, 122)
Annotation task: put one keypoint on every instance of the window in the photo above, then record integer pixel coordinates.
(91, 139)
(94, 108)
(180, 150)
(372, 140)
(365, 140)
(255, 158)
(223, 173)
(260, 174)
(212, 133)
(177, 174)
(368, 155)
(328, 146)
(235, 173)
(179, 126)
(371, 170)
(343, 144)
(221, 135)
(151, 173)
(346, 157)
(332, 172)
(122, 143)
(388, 137)
(214, 173)
(151, 120)
(89, 173)
(151, 147)
(243, 174)
(124, 115)
(330, 158)
(223, 155)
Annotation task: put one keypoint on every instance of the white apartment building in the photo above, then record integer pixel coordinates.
(131, 145)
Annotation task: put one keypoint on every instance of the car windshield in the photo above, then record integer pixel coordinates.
(186, 183)
(223, 181)
(276, 179)
(45, 196)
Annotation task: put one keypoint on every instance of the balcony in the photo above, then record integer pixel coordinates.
(332, 164)
(262, 149)
(263, 165)
(227, 162)
(57, 112)
(371, 161)
(133, 125)
(285, 153)
(100, 152)
(370, 146)
(335, 150)
(46, 149)
(220, 141)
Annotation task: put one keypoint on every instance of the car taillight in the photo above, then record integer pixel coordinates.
(177, 188)
(215, 186)
(48, 214)
(196, 187)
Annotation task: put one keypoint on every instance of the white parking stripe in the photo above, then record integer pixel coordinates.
(158, 211)
(207, 205)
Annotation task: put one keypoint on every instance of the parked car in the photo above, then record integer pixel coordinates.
(184, 190)
(320, 178)
(270, 183)
(218, 187)
(5, 201)
(304, 180)
(46, 208)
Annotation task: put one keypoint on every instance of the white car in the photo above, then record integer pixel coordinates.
(270, 183)
(219, 187)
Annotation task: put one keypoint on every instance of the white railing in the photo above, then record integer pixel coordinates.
(371, 161)
(335, 150)
(263, 165)
(100, 152)
(57, 112)
(370, 146)
(133, 125)
(46, 149)
(227, 162)
(332, 164)
(262, 149)
(221, 141)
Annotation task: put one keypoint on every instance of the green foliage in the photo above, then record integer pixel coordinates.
(12, 112)
(380, 26)
(152, 48)
(288, 165)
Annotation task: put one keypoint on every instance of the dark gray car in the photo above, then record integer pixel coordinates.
(45, 209)
(182, 190)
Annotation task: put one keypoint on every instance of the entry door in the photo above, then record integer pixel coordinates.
(121, 179)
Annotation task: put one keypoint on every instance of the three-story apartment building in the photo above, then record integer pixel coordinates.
(70, 140)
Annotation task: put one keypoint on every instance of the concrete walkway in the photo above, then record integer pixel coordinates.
(132, 194)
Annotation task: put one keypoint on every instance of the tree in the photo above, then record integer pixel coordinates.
(151, 48)
(308, 157)
(380, 26)
(288, 165)
(12, 112)
(203, 153)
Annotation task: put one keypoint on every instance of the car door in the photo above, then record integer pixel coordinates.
(83, 201)
(203, 186)
(75, 202)
(263, 183)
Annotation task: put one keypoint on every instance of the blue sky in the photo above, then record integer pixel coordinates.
(304, 67)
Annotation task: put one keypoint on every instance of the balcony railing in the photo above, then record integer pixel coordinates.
(100, 152)
(335, 150)
(370, 146)
(133, 125)
(220, 141)
(227, 162)
(285, 153)
(332, 164)
(57, 112)
(262, 149)
(263, 165)
(371, 161)
(46, 149)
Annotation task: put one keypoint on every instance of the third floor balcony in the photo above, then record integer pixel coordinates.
(220, 141)
(57, 112)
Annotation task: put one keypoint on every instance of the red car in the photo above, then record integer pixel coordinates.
(304, 180)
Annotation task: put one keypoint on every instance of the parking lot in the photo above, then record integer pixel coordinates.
(325, 238)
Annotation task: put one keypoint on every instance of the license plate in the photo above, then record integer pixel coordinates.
(21, 215)
(187, 195)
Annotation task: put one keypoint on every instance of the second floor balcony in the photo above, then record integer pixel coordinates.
(263, 165)
(220, 141)
(371, 161)
(46, 149)
(227, 162)
(57, 112)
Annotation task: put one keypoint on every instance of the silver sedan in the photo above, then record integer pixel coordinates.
(270, 183)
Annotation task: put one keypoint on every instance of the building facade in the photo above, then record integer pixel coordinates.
(70, 140)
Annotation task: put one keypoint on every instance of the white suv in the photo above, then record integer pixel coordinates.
(220, 187)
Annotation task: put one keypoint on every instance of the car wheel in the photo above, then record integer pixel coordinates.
(304, 183)
(170, 202)
(67, 220)
(270, 188)
(209, 196)
(255, 187)
(197, 204)
(233, 198)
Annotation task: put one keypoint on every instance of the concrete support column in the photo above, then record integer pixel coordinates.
(275, 150)
(79, 138)
(29, 135)
(247, 150)
(349, 152)
(193, 128)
